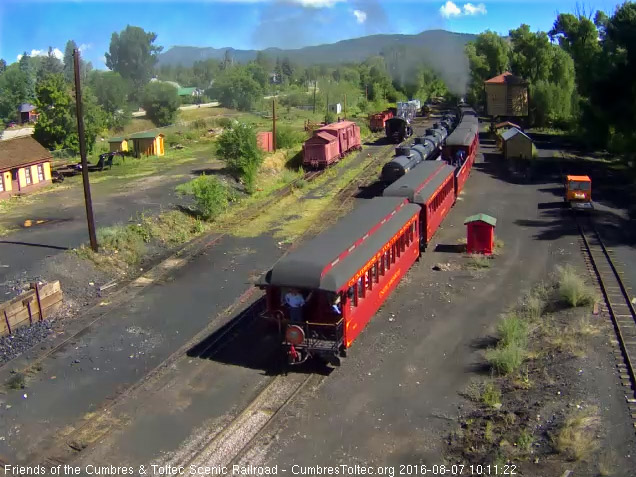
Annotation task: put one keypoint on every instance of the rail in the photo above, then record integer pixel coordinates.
(617, 299)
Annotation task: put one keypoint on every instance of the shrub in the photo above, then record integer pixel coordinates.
(513, 331)
(533, 306)
(16, 381)
(210, 195)
(572, 289)
(237, 146)
(505, 359)
(287, 137)
(577, 436)
(161, 103)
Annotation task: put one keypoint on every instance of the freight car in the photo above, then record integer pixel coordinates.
(406, 158)
(331, 143)
(377, 122)
(431, 185)
(398, 129)
(338, 280)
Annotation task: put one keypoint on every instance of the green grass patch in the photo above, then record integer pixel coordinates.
(211, 196)
(128, 241)
(479, 262)
(491, 396)
(572, 289)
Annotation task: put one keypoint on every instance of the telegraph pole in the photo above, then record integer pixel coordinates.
(315, 85)
(274, 124)
(345, 106)
(82, 144)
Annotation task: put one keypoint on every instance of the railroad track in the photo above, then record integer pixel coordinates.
(618, 304)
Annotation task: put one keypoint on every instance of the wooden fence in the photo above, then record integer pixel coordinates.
(30, 307)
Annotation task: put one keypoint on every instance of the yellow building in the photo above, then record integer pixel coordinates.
(118, 144)
(506, 95)
(24, 166)
(148, 144)
(516, 145)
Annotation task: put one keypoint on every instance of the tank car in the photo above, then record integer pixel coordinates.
(405, 160)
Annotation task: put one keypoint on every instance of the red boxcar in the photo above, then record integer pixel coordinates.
(344, 276)
(265, 141)
(431, 185)
(377, 122)
(330, 143)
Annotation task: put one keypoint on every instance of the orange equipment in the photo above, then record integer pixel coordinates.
(578, 192)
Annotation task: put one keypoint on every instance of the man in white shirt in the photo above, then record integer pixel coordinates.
(295, 301)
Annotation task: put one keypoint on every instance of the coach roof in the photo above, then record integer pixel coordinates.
(420, 184)
(328, 261)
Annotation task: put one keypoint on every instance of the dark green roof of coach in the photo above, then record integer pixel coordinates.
(303, 268)
(421, 182)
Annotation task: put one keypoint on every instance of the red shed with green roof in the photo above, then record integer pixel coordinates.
(481, 234)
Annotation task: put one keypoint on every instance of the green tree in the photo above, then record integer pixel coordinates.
(531, 54)
(133, 55)
(3, 65)
(161, 103)
(578, 36)
(235, 88)
(13, 92)
(57, 124)
(237, 146)
(69, 73)
(26, 67)
(488, 56)
(111, 92)
(50, 65)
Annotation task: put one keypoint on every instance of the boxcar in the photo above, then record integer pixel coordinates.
(431, 185)
(377, 122)
(345, 274)
(330, 143)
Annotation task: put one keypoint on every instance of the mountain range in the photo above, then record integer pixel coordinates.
(440, 50)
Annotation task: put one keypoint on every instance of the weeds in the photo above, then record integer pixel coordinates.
(533, 306)
(577, 437)
(17, 381)
(211, 196)
(524, 440)
(572, 289)
(479, 262)
(513, 331)
(123, 240)
(505, 359)
(491, 395)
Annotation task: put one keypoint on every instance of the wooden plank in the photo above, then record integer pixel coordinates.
(20, 307)
(18, 318)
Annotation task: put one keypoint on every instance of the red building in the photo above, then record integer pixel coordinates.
(481, 234)
(265, 141)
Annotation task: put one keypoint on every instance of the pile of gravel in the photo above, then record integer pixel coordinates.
(23, 339)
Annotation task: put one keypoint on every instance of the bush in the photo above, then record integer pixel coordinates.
(210, 195)
(161, 103)
(17, 381)
(572, 289)
(491, 395)
(287, 137)
(505, 359)
(237, 146)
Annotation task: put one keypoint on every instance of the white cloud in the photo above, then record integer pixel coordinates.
(361, 16)
(85, 46)
(449, 9)
(56, 52)
(470, 9)
(316, 3)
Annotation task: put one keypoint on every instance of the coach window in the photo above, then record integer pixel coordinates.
(361, 287)
(369, 278)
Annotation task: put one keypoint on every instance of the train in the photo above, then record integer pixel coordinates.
(322, 294)
(399, 127)
(377, 122)
(331, 143)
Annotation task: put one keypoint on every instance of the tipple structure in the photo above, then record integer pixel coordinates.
(331, 143)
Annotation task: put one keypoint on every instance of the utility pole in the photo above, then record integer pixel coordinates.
(274, 124)
(82, 144)
(327, 112)
(345, 106)
(315, 86)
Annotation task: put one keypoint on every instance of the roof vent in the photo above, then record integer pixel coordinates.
(403, 151)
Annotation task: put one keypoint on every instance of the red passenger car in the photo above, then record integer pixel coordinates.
(343, 276)
(431, 185)
(330, 143)
(464, 139)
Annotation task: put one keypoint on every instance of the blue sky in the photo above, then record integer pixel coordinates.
(28, 25)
